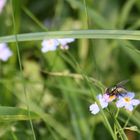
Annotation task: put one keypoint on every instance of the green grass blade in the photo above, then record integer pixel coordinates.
(96, 34)
(132, 52)
(121, 131)
(28, 12)
(125, 12)
(94, 15)
(20, 65)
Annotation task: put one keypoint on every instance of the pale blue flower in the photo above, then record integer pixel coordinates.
(94, 108)
(127, 101)
(5, 52)
(2, 4)
(49, 45)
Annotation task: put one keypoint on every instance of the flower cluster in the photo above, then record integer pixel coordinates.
(126, 100)
(5, 52)
(52, 44)
(2, 4)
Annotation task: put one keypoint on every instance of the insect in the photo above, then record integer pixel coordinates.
(118, 89)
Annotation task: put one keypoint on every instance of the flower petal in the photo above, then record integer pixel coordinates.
(94, 108)
(99, 96)
(129, 107)
(120, 103)
(64, 41)
(106, 96)
(130, 95)
(2, 4)
(49, 45)
(5, 52)
(102, 101)
(103, 104)
(135, 102)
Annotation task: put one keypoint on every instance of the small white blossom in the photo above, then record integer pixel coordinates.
(94, 108)
(5, 52)
(49, 45)
(52, 44)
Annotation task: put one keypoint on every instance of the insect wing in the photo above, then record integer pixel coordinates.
(122, 83)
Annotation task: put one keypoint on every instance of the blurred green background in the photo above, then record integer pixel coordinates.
(62, 102)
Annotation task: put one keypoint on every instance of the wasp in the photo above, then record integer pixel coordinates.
(118, 89)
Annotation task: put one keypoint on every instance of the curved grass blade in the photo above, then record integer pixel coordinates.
(96, 34)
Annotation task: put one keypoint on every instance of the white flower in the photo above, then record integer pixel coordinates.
(2, 4)
(94, 108)
(64, 42)
(52, 44)
(5, 52)
(127, 101)
(49, 45)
